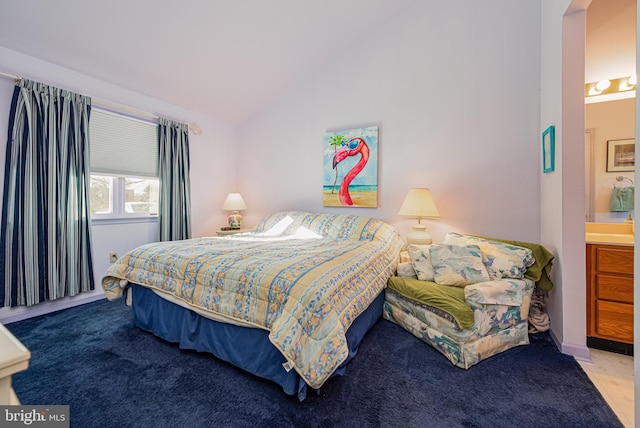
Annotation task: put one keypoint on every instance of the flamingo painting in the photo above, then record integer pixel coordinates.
(356, 154)
(356, 146)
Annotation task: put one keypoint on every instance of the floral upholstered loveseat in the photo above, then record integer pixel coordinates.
(468, 297)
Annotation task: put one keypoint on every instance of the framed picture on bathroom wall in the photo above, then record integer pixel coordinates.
(621, 155)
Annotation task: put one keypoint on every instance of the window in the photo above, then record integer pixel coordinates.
(115, 197)
(124, 166)
(140, 195)
(101, 189)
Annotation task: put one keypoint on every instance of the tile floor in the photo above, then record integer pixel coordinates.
(612, 374)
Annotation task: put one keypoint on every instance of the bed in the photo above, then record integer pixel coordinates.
(290, 301)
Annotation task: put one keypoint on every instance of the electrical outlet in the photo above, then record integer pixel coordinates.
(113, 257)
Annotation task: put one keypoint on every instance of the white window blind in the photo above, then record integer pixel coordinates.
(122, 146)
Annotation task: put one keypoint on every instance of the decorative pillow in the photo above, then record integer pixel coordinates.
(502, 260)
(421, 261)
(406, 270)
(457, 265)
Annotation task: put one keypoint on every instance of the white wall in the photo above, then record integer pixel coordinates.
(612, 120)
(454, 90)
(213, 157)
(562, 191)
(551, 183)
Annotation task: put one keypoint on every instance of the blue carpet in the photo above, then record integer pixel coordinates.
(113, 374)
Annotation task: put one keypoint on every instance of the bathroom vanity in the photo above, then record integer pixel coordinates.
(610, 287)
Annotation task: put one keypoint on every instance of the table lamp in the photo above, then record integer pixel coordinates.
(234, 203)
(419, 203)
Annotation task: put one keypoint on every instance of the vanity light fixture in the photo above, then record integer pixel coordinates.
(612, 86)
(603, 84)
(629, 84)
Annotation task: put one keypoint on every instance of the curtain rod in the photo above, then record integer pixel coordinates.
(108, 104)
(10, 76)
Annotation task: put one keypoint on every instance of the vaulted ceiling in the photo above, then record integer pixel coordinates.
(231, 58)
(225, 58)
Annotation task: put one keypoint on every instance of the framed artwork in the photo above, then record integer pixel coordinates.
(621, 155)
(350, 168)
(549, 149)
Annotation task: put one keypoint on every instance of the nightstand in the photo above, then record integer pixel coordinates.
(231, 232)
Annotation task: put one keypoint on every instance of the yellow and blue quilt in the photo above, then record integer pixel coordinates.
(304, 277)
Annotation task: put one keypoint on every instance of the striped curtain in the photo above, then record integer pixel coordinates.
(174, 216)
(45, 242)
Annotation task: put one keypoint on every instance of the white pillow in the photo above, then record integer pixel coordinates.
(421, 261)
(501, 259)
(406, 270)
(457, 265)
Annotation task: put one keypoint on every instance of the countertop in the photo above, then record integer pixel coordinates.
(609, 239)
(609, 233)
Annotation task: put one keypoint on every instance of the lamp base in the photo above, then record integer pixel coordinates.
(419, 235)
(235, 220)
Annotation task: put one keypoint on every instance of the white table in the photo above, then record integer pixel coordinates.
(231, 231)
(14, 357)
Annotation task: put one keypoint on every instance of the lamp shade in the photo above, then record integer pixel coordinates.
(234, 202)
(420, 204)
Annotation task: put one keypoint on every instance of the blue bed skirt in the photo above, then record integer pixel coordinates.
(247, 348)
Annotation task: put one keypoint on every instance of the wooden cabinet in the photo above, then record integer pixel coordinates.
(610, 292)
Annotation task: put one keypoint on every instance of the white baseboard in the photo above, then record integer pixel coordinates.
(579, 352)
(19, 313)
